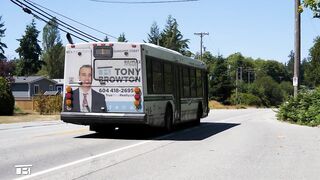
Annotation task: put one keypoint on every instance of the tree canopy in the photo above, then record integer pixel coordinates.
(312, 72)
(154, 36)
(313, 5)
(2, 45)
(53, 54)
(170, 37)
(29, 51)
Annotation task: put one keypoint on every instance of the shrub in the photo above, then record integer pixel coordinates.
(304, 109)
(48, 104)
(6, 98)
(246, 99)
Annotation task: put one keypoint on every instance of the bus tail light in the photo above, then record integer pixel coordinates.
(68, 97)
(68, 102)
(137, 90)
(68, 89)
(137, 97)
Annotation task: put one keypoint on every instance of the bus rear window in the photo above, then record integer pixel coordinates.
(102, 52)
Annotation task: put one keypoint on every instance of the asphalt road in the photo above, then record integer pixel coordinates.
(229, 144)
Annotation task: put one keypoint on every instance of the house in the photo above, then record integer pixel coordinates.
(25, 87)
(59, 85)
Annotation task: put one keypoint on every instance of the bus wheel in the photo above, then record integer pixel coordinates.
(168, 119)
(199, 114)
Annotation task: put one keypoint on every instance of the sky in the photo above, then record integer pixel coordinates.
(258, 29)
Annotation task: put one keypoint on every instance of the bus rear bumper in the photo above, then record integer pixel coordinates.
(103, 118)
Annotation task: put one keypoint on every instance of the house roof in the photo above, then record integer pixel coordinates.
(51, 93)
(29, 79)
(59, 81)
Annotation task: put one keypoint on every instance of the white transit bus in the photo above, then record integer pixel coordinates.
(112, 84)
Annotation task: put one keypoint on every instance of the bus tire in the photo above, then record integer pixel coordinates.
(199, 115)
(168, 119)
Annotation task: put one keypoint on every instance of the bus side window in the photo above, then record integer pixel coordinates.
(199, 83)
(186, 82)
(149, 74)
(168, 74)
(157, 77)
(193, 89)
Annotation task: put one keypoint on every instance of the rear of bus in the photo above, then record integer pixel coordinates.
(103, 84)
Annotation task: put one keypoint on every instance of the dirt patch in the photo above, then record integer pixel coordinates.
(28, 117)
(217, 105)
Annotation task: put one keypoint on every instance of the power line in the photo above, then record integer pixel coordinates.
(72, 20)
(28, 9)
(71, 28)
(143, 2)
(37, 17)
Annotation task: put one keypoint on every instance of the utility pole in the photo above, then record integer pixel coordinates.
(297, 48)
(201, 34)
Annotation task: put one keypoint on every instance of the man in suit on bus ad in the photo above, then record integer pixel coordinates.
(84, 98)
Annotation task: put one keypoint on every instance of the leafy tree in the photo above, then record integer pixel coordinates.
(154, 36)
(305, 64)
(29, 51)
(272, 91)
(6, 98)
(313, 70)
(313, 5)
(188, 54)
(241, 65)
(7, 68)
(287, 88)
(276, 70)
(50, 35)
(2, 45)
(122, 38)
(290, 64)
(246, 99)
(53, 55)
(54, 58)
(172, 38)
(207, 57)
(220, 83)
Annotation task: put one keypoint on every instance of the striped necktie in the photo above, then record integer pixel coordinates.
(85, 101)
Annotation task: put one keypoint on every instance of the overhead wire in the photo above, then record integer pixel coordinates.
(72, 19)
(74, 32)
(63, 24)
(26, 10)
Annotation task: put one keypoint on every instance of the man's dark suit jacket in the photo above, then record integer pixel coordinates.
(97, 101)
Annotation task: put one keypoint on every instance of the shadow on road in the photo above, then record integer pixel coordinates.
(185, 132)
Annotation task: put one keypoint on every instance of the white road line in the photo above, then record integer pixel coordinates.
(82, 160)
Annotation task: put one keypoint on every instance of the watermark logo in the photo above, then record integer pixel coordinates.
(23, 169)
